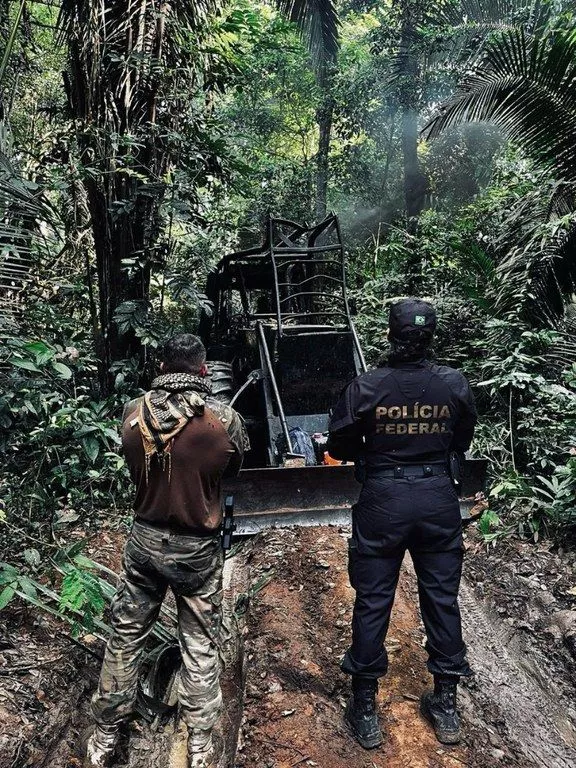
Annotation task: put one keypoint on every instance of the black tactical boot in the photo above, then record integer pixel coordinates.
(439, 707)
(361, 713)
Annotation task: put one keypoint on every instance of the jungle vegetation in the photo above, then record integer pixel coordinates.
(141, 140)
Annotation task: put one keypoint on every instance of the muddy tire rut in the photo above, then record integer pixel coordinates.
(525, 702)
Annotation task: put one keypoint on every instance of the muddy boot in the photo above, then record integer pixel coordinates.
(439, 708)
(101, 746)
(201, 749)
(361, 713)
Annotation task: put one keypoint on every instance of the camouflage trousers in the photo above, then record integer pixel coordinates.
(192, 567)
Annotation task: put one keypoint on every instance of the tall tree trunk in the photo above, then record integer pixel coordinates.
(325, 115)
(415, 182)
(113, 82)
(118, 240)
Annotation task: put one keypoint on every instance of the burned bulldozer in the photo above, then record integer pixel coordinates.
(282, 335)
(282, 346)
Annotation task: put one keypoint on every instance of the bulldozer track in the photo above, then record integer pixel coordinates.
(532, 711)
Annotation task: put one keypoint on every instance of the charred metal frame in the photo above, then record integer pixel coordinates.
(281, 249)
(265, 352)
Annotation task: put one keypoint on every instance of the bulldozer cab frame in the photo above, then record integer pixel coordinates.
(282, 309)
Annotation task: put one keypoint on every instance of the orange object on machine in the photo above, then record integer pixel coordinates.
(329, 461)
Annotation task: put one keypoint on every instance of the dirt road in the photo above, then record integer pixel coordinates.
(514, 715)
(288, 604)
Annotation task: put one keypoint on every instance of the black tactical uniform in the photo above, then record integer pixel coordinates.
(400, 423)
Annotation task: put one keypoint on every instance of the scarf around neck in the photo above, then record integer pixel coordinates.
(166, 409)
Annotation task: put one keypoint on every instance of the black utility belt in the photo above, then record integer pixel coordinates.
(411, 470)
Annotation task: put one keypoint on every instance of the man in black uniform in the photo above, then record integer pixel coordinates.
(400, 423)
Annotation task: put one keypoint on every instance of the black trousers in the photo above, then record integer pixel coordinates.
(421, 515)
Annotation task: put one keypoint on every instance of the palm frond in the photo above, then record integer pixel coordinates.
(11, 40)
(531, 14)
(456, 47)
(478, 262)
(319, 25)
(528, 88)
(120, 52)
(535, 267)
(23, 214)
(457, 31)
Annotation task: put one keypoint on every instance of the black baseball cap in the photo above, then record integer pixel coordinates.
(409, 317)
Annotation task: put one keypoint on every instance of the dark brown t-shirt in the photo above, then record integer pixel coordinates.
(188, 498)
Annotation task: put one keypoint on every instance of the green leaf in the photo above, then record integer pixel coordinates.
(7, 568)
(82, 593)
(62, 370)
(66, 516)
(42, 352)
(112, 434)
(84, 562)
(85, 430)
(91, 447)
(70, 551)
(30, 407)
(27, 586)
(27, 365)
(6, 595)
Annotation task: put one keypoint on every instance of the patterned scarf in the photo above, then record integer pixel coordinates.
(174, 399)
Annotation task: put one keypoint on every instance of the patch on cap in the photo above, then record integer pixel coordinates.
(411, 316)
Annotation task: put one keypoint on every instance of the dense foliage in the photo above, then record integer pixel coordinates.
(122, 182)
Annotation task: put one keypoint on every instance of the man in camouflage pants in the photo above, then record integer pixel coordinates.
(178, 442)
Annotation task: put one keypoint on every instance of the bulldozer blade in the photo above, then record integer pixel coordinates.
(291, 496)
(285, 497)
